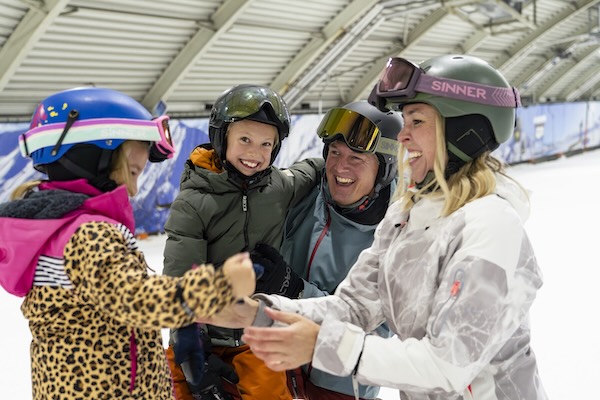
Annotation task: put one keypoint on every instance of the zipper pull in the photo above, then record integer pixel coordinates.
(455, 288)
(245, 203)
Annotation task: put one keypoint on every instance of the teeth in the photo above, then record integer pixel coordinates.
(249, 164)
(414, 154)
(343, 180)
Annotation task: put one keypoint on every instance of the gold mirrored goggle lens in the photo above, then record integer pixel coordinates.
(359, 133)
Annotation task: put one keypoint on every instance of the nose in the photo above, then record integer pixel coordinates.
(340, 164)
(404, 135)
(253, 149)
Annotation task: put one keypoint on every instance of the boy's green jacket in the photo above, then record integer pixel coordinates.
(215, 215)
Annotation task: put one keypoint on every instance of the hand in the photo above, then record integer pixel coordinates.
(238, 269)
(211, 386)
(286, 347)
(236, 315)
(278, 277)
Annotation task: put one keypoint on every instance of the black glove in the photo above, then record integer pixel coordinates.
(211, 386)
(202, 369)
(189, 352)
(278, 276)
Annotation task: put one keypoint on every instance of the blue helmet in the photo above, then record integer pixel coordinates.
(73, 133)
(87, 114)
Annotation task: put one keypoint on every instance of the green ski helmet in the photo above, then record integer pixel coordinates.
(476, 101)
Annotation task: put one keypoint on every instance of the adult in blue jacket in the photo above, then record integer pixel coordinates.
(325, 233)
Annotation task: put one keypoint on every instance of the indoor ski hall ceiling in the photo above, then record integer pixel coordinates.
(317, 53)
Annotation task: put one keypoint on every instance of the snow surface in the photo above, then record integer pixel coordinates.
(563, 228)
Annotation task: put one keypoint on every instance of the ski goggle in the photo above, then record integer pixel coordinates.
(402, 79)
(107, 133)
(359, 132)
(239, 104)
(164, 148)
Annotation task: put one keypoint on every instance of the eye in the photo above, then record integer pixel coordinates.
(135, 170)
(268, 144)
(245, 139)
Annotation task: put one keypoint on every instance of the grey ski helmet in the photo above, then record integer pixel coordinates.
(364, 128)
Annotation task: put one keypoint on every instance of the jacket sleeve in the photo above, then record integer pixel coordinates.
(186, 244)
(306, 175)
(485, 290)
(356, 299)
(112, 276)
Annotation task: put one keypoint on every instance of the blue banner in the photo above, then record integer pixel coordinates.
(542, 132)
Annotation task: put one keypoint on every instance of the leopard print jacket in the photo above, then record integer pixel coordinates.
(96, 335)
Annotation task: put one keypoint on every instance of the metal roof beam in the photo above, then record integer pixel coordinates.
(529, 43)
(368, 80)
(333, 57)
(24, 37)
(587, 83)
(317, 45)
(587, 57)
(515, 14)
(195, 48)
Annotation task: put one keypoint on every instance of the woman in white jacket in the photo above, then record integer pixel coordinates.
(451, 269)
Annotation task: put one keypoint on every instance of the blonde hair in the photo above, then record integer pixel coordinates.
(119, 168)
(23, 189)
(475, 179)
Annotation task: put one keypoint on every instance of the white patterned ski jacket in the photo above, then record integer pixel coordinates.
(456, 290)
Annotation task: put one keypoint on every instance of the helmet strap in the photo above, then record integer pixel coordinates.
(368, 210)
(97, 175)
(426, 181)
(102, 180)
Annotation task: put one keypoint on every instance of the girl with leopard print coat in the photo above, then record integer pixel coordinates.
(67, 246)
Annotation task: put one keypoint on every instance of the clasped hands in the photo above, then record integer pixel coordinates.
(288, 345)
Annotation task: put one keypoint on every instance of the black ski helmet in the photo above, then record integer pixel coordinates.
(252, 102)
(384, 145)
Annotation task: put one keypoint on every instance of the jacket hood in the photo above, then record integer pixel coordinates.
(203, 171)
(23, 236)
(515, 194)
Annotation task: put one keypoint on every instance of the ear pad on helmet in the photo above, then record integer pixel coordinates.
(468, 136)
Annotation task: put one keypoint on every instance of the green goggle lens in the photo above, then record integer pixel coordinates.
(240, 104)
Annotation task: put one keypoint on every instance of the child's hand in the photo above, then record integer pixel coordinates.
(238, 269)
